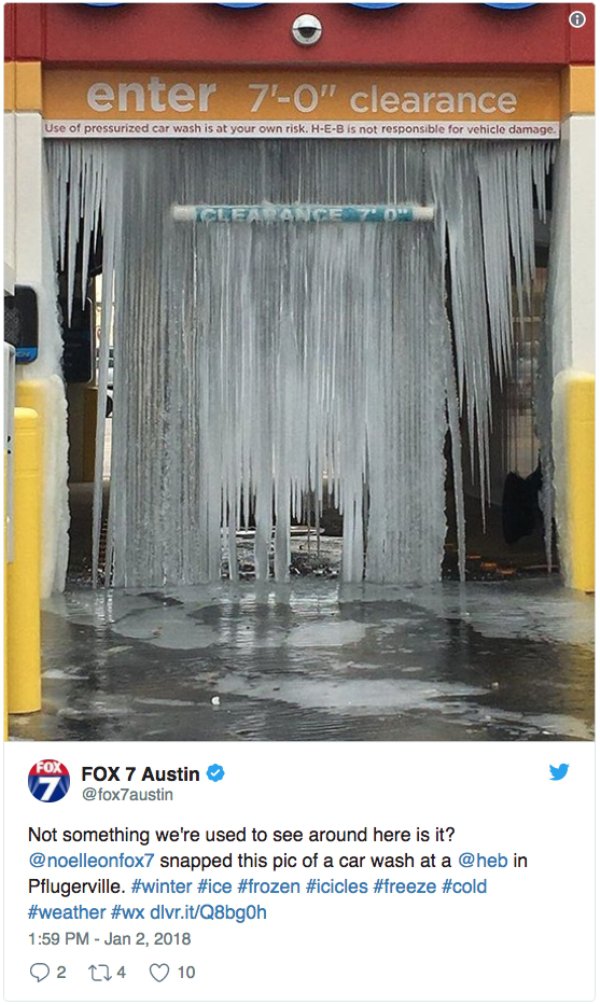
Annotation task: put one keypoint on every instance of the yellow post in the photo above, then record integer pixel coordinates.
(573, 407)
(36, 394)
(9, 442)
(24, 676)
(581, 450)
(6, 517)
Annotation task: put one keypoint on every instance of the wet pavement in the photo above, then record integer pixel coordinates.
(318, 661)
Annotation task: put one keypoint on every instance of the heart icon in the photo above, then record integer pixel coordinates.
(159, 971)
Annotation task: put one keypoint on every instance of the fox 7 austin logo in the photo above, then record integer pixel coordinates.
(49, 781)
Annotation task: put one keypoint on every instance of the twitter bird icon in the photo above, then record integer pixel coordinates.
(557, 773)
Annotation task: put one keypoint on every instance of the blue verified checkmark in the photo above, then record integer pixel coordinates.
(557, 773)
(215, 773)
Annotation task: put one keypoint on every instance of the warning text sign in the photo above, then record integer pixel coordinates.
(136, 104)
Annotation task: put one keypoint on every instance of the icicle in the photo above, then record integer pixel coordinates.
(111, 199)
(250, 360)
(555, 352)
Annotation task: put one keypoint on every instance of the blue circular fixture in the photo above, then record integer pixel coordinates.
(376, 6)
(242, 5)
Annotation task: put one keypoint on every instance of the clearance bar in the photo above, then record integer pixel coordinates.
(297, 213)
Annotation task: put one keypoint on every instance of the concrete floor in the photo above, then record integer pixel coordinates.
(318, 661)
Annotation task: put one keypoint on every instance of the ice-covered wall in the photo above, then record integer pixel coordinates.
(40, 384)
(567, 362)
(250, 359)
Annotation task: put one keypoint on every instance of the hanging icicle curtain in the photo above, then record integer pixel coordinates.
(252, 360)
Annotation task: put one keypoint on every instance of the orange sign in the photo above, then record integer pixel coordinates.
(180, 103)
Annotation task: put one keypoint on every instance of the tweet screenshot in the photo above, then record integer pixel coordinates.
(299, 502)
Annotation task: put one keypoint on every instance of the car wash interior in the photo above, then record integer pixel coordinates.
(312, 312)
(301, 365)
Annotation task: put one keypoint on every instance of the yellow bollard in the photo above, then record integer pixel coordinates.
(580, 419)
(573, 447)
(5, 597)
(24, 675)
(9, 440)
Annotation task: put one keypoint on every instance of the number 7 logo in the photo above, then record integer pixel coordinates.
(49, 781)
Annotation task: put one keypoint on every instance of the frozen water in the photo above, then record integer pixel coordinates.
(46, 371)
(254, 361)
(555, 348)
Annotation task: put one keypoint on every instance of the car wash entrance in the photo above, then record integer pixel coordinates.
(314, 309)
(325, 329)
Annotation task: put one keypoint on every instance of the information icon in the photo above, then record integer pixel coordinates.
(577, 19)
(49, 781)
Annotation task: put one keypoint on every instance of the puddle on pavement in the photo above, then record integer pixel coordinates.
(318, 661)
